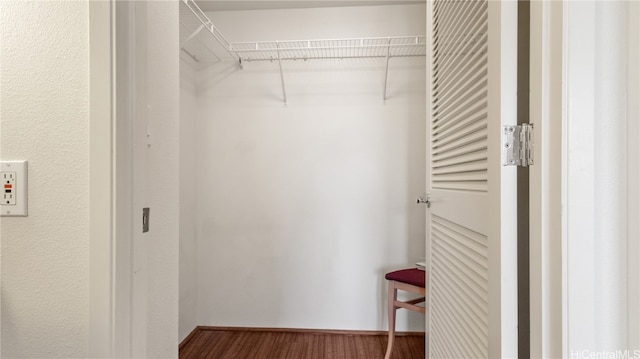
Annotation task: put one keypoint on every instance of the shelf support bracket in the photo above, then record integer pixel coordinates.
(386, 71)
(284, 92)
(204, 20)
(195, 33)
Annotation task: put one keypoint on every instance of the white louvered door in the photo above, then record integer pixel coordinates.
(472, 69)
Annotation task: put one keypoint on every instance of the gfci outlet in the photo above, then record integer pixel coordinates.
(13, 201)
(9, 187)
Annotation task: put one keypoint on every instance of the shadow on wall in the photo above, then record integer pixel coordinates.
(215, 74)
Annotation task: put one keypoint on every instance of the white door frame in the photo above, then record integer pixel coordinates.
(123, 50)
(124, 102)
(545, 180)
(584, 104)
(110, 214)
(101, 223)
(595, 213)
(633, 166)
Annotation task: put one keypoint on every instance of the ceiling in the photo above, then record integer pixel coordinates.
(215, 5)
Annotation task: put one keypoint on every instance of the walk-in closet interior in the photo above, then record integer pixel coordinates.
(302, 151)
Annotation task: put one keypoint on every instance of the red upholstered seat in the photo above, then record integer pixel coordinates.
(411, 276)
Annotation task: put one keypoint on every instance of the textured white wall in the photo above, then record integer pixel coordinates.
(301, 210)
(44, 119)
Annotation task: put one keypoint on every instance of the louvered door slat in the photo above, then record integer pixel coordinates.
(480, 156)
(459, 93)
(445, 23)
(471, 137)
(459, 151)
(465, 124)
(474, 258)
(468, 74)
(460, 285)
(462, 167)
(450, 58)
(473, 290)
(446, 36)
(473, 95)
(443, 17)
(473, 313)
(454, 331)
(462, 47)
(473, 320)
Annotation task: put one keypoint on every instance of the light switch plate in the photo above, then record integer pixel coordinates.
(13, 201)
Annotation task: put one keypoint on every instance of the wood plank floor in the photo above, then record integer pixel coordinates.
(235, 344)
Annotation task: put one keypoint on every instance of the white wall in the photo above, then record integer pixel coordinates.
(44, 119)
(633, 173)
(162, 187)
(301, 210)
(188, 197)
(600, 199)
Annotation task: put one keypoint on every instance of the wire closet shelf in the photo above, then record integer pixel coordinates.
(380, 47)
(349, 48)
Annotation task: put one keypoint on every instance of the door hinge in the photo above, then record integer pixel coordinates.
(517, 145)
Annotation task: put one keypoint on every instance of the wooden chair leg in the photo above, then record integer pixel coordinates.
(391, 313)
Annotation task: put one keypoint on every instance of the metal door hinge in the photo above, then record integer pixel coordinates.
(517, 145)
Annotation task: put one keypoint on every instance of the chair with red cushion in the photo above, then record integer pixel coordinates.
(410, 280)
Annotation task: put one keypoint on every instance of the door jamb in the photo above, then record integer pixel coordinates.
(110, 179)
(633, 179)
(523, 182)
(101, 224)
(546, 247)
(124, 90)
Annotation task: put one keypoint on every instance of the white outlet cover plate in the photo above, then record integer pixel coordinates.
(20, 190)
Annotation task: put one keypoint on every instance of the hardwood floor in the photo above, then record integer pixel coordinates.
(272, 344)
